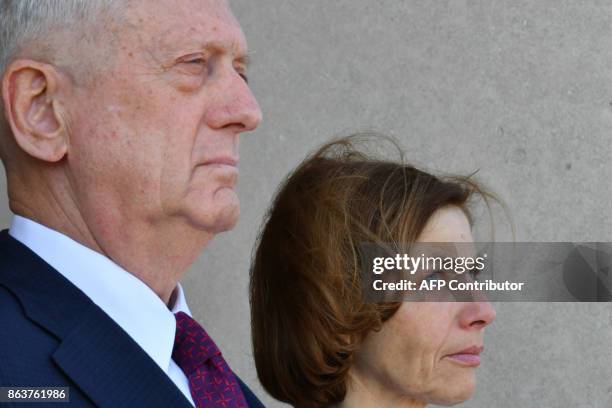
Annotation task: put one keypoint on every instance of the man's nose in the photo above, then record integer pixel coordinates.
(235, 107)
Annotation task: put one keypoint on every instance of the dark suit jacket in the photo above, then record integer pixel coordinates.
(53, 335)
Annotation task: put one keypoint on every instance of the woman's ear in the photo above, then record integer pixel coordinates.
(30, 95)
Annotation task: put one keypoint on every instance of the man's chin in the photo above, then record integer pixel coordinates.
(221, 217)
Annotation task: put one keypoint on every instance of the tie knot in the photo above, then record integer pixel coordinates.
(192, 345)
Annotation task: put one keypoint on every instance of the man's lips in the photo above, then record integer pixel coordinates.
(221, 160)
(469, 356)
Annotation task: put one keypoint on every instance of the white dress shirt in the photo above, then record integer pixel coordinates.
(122, 296)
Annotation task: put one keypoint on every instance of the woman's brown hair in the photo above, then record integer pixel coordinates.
(307, 311)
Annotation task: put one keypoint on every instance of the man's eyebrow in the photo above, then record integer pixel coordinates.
(241, 55)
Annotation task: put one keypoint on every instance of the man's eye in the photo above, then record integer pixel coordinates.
(195, 61)
(193, 66)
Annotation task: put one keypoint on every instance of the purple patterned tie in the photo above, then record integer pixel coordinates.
(211, 382)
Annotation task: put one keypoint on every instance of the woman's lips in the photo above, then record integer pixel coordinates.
(469, 357)
(472, 360)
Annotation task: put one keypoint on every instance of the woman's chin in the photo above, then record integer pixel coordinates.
(456, 393)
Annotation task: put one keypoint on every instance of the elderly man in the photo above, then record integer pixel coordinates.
(120, 143)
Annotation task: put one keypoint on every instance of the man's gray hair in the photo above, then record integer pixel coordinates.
(26, 21)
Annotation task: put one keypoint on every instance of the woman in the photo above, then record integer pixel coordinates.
(317, 343)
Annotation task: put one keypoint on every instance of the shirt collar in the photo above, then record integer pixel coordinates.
(121, 295)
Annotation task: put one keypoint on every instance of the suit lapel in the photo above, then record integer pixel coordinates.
(97, 355)
(112, 369)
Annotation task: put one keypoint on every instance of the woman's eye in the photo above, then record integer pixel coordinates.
(474, 272)
(435, 275)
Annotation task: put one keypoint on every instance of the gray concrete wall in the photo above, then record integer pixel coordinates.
(521, 90)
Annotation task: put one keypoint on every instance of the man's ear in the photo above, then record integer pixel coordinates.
(30, 95)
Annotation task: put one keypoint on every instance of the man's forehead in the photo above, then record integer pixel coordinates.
(192, 24)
